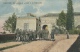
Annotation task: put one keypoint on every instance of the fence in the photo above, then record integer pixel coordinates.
(7, 37)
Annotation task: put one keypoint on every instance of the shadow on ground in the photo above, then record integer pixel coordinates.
(75, 46)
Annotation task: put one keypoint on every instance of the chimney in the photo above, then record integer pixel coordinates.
(28, 14)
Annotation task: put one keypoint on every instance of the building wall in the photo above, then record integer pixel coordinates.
(30, 21)
(50, 21)
(77, 20)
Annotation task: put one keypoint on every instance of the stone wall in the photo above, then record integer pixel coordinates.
(30, 21)
(77, 20)
(50, 21)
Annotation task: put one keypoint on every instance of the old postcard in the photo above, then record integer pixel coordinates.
(39, 25)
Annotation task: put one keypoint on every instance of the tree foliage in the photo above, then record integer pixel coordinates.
(61, 21)
(70, 16)
(10, 24)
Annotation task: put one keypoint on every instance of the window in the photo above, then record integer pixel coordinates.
(26, 26)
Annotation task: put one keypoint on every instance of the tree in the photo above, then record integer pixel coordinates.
(61, 21)
(10, 24)
(70, 16)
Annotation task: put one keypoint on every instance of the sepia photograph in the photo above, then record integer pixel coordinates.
(39, 25)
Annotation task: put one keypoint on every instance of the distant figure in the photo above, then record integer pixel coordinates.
(67, 34)
(40, 35)
(52, 35)
(30, 35)
(20, 33)
(17, 35)
(26, 35)
(34, 35)
(23, 35)
(45, 32)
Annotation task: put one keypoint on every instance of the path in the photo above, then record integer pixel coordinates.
(42, 46)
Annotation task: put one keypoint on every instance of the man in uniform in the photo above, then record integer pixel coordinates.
(40, 34)
(21, 36)
(67, 34)
(34, 35)
(24, 35)
(17, 35)
(30, 35)
(52, 35)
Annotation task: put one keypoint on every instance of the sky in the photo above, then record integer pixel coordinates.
(37, 7)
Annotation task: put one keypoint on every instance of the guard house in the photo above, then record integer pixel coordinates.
(27, 22)
(31, 22)
(50, 20)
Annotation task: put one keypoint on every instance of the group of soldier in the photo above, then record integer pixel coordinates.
(24, 35)
(28, 35)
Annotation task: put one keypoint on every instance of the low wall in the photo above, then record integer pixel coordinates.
(7, 37)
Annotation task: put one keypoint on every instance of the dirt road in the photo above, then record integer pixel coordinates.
(45, 46)
(62, 46)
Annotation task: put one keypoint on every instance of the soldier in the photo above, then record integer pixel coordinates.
(27, 36)
(40, 34)
(52, 35)
(67, 34)
(30, 35)
(23, 35)
(20, 33)
(17, 35)
(45, 32)
(34, 35)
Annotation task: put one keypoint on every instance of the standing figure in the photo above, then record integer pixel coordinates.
(34, 35)
(52, 35)
(21, 36)
(67, 35)
(24, 35)
(45, 32)
(17, 35)
(30, 35)
(40, 34)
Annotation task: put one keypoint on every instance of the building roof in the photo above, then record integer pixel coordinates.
(50, 15)
(57, 14)
(30, 15)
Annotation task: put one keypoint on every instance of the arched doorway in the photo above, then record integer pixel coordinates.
(49, 27)
(45, 27)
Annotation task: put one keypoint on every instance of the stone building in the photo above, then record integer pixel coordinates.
(50, 20)
(31, 22)
(27, 22)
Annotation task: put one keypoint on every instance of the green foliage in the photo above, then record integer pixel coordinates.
(74, 31)
(70, 16)
(61, 21)
(10, 24)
